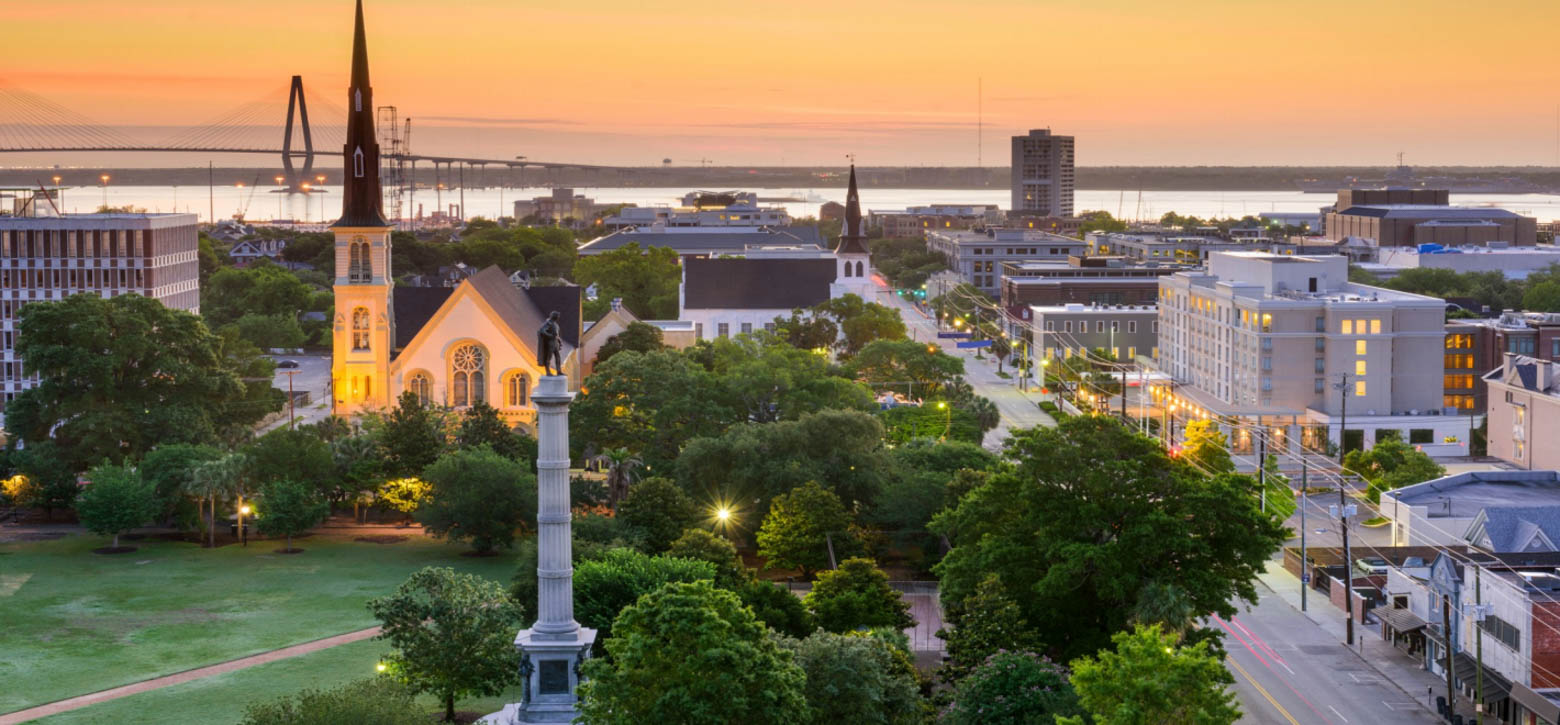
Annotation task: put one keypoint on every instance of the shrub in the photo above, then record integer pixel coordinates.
(375, 700)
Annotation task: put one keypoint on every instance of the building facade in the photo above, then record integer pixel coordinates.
(1523, 412)
(1043, 177)
(51, 258)
(915, 221)
(1060, 332)
(977, 256)
(1088, 280)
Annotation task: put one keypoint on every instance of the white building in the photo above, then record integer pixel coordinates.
(977, 255)
(1289, 341)
(737, 214)
(1513, 262)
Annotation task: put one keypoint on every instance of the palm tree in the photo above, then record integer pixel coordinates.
(622, 470)
(222, 478)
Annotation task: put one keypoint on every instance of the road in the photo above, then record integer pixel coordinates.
(1017, 409)
(311, 375)
(1290, 671)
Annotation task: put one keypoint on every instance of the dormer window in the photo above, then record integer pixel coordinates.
(357, 162)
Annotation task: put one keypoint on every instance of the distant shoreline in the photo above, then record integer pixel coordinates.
(1146, 178)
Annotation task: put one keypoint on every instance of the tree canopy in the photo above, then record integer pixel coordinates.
(802, 525)
(116, 500)
(842, 450)
(1149, 678)
(647, 280)
(478, 496)
(857, 596)
(638, 337)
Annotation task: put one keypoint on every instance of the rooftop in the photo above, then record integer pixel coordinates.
(1464, 495)
(703, 240)
(1415, 211)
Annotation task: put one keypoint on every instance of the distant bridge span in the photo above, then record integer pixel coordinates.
(411, 158)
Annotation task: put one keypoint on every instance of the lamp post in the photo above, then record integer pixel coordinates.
(947, 418)
(319, 183)
(279, 180)
(243, 510)
(60, 197)
(104, 179)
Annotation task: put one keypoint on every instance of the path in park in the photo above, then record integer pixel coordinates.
(92, 698)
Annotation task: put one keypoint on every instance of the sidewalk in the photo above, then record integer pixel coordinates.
(1392, 664)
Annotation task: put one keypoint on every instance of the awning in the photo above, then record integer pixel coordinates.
(1496, 687)
(1400, 620)
(1536, 702)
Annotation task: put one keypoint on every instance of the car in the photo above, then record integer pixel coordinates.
(1371, 565)
(288, 364)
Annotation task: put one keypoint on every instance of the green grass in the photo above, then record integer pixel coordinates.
(1376, 521)
(75, 622)
(222, 699)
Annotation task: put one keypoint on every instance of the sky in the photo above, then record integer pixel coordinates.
(806, 82)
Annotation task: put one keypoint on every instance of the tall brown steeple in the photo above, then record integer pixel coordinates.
(361, 202)
(852, 240)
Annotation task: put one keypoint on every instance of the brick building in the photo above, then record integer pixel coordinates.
(1088, 280)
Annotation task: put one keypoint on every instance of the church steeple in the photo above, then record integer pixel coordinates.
(852, 240)
(361, 202)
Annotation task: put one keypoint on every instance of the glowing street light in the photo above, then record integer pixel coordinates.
(723, 514)
(104, 179)
(380, 667)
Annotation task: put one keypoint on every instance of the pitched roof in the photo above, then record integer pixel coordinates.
(522, 312)
(756, 284)
(413, 307)
(852, 241)
(701, 240)
(1507, 529)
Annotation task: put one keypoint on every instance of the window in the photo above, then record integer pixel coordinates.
(747, 327)
(1267, 383)
(1319, 386)
(515, 390)
(1050, 326)
(419, 386)
(470, 371)
(1067, 326)
(1359, 367)
(1267, 323)
(1520, 345)
(1321, 344)
(1132, 352)
(1507, 633)
(1459, 362)
(1459, 342)
(1267, 363)
(359, 328)
(1099, 326)
(1421, 435)
(1375, 327)
(357, 158)
(1460, 402)
(1359, 347)
(359, 268)
(769, 327)
(1131, 326)
(1115, 325)
(1359, 388)
(723, 329)
(1359, 327)
(1457, 382)
(1348, 327)
(1321, 365)
(1554, 348)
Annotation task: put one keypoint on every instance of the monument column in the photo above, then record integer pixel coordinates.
(552, 650)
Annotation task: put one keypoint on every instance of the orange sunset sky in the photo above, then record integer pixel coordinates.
(807, 81)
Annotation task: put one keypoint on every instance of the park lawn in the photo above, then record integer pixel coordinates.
(222, 698)
(74, 622)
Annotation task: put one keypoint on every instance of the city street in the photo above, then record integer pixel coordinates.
(1288, 670)
(311, 375)
(1017, 409)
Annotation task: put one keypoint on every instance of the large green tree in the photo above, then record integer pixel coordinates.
(1150, 678)
(752, 463)
(1392, 464)
(857, 596)
(1014, 687)
(478, 496)
(982, 625)
(917, 369)
(262, 288)
(289, 508)
(693, 654)
(412, 436)
(855, 679)
(638, 337)
(765, 380)
(453, 635)
(169, 469)
(861, 322)
(646, 279)
(659, 509)
(650, 403)
(806, 529)
(481, 426)
(292, 455)
(116, 500)
(603, 587)
(1090, 514)
(118, 376)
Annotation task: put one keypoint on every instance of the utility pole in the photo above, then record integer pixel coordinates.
(1123, 395)
(1343, 414)
(1478, 647)
(1305, 559)
(1261, 469)
(291, 416)
(1344, 511)
(1446, 629)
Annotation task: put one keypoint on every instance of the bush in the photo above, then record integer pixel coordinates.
(375, 700)
(855, 679)
(857, 596)
(603, 587)
(1013, 687)
(777, 607)
(116, 501)
(660, 509)
(480, 496)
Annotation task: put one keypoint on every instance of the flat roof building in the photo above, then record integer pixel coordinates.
(1089, 280)
(977, 255)
(1523, 411)
(1043, 176)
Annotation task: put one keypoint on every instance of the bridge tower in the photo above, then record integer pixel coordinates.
(296, 103)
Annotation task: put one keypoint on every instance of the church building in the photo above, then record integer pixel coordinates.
(453, 347)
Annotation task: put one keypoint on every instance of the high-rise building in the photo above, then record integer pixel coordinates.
(54, 257)
(1042, 174)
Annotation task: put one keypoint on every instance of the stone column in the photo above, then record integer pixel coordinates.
(552, 650)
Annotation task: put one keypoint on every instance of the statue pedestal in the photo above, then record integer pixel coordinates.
(552, 650)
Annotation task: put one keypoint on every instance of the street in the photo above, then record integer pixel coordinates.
(1017, 409)
(1290, 671)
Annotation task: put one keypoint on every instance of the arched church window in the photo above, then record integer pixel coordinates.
(860, 270)
(360, 328)
(516, 388)
(420, 386)
(359, 266)
(470, 367)
(847, 269)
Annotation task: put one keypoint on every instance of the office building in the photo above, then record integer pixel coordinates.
(1290, 343)
(1088, 280)
(1512, 262)
(977, 255)
(917, 220)
(1188, 249)
(1042, 174)
(1475, 347)
(1410, 217)
(53, 257)
(1060, 332)
(560, 205)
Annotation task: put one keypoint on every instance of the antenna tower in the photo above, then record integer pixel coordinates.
(392, 165)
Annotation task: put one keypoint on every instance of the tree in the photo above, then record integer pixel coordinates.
(807, 330)
(376, 700)
(1013, 688)
(452, 633)
(479, 496)
(405, 494)
(603, 587)
(169, 469)
(638, 337)
(855, 679)
(290, 508)
(766, 380)
(291, 455)
(481, 426)
(861, 322)
(270, 331)
(983, 625)
(1149, 679)
(1392, 464)
(1088, 515)
(1206, 447)
(718, 551)
(358, 462)
(262, 288)
(116, 500)
(652, 403)
(801, 526)
(776, 607)
(647, 280)
(622, 469)
(215, 480)
(962, 397)
(412, 437)
(51, 481)
(857, 596)
(118, 376)
(906, 423)
(920, 368)
(690, 653)
(839, 449)
(1542, 297)
(659, 509)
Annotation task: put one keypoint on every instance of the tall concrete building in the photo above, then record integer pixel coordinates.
(1289, 342)
(1042, 174)
(51, 258)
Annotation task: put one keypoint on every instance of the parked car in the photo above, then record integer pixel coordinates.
(288, 364)
(1372, 565)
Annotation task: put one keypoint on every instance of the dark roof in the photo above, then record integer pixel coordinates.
(362, 204)
(414, 306)
(1430, 212)
(756, 284)
(566, 299)
(852, 241)
(1514, 528)
(687, 242)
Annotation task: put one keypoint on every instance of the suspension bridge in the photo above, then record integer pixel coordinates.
(31, 123)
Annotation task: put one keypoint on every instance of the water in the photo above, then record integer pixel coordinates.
(265, 203)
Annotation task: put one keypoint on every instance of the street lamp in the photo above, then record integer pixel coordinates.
(243, 510)
(59, 196)
(947, 418)
(104, 179)
(279, 180)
